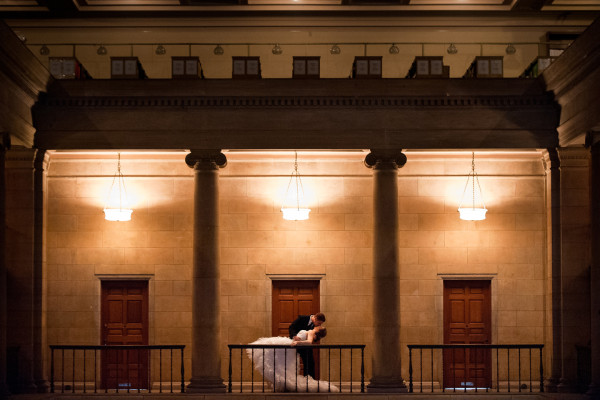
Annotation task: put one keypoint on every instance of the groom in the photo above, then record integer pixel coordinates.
(306, 322)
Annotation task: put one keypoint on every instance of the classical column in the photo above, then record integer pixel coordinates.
(4, 145)
(575, 262)
(206, 327)
(387, 373)
(553, 184)
(594, 388)
(39, 268)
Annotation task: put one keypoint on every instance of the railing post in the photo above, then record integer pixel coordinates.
(410, 370)
(362, 370)
(182, 373)
(541, 371)
(230, 371)
(51, 369)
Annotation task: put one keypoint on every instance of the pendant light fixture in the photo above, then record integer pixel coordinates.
(117, 204)
(294, 208)
(477, 210)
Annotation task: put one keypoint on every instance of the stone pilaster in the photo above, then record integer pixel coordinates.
(575, 262)
(387, 373)
(20, 240)
(206, 329)
(4, 146)
(39, 268)
(594, 388)
(552, 164)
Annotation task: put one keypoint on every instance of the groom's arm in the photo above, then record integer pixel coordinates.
(295, 327)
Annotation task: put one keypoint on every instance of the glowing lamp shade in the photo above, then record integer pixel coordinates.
(293, 207)
(472, 214)
(116, 214)
(295, 214)
(477, 210)
(117, 204)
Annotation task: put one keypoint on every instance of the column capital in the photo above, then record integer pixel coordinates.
(385, 159)
(202, 159)
(550, 159)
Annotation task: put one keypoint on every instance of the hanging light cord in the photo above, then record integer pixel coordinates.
(299, 186)
(473, 172)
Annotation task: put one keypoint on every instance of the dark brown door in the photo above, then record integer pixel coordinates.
(125, 322)
(467, 320)
(293, 298)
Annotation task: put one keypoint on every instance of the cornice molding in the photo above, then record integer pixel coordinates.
(301, 101)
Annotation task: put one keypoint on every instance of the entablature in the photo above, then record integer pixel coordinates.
(287, 114)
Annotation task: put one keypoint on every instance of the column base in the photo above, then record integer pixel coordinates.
(43, 386)
(566, 386)
(206, 385)
(551, 385)
(387, 386)
(593, 391)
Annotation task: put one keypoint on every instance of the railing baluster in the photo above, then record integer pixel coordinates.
(51, 369)
(431, 370)
(263, 369)
(83, 370)
(128, 383)
(117, 374)
(340, 371)
(351, 360)
(410, 371)
(252, 372)
(73, 375)
(241, 370)
(453, 370)
(519, 364)
(497, 369)
(160, 370)
(171, 370)
(285, 368)
(62, 377)
(182, 373)
(465, 365)
(508, 367)
(541, 372)
(95, 370)
(328, 371)
(362, 369)
(149, 371)
(530, 370)
(230, 371)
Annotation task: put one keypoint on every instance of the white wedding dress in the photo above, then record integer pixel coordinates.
(282, 371)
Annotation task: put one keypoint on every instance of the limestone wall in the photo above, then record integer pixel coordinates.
(334, 245)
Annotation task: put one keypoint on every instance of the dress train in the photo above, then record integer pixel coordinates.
(283, 370)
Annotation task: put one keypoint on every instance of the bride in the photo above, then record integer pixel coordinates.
(283, 370)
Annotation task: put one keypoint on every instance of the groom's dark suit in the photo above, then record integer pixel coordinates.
(303, 322)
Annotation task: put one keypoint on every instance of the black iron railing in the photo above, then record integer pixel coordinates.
(131, 368)
(478, 367)
(342, 374)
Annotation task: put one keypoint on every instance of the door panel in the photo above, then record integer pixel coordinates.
(467, 320)
(125, 322)
(290, 299)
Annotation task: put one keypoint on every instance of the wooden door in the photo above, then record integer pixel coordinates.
(293, 298)
(125, 322)
(467, 320)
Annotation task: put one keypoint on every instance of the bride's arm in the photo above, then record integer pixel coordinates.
(310, 338)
